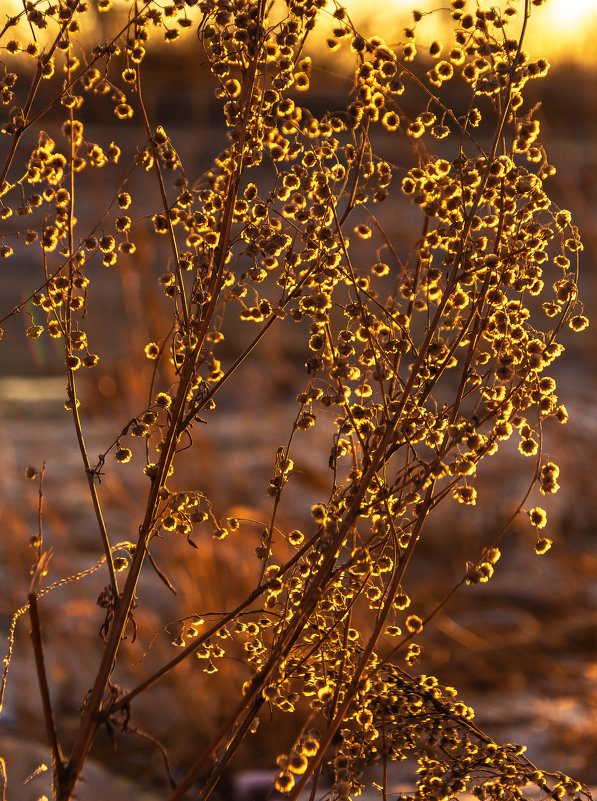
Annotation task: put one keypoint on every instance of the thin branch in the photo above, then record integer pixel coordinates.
(171, 235)
(3, 779)
(38, 650)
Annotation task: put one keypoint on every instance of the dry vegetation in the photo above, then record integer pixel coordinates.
(267, 571)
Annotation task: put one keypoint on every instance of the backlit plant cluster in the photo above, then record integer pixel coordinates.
(427, 360)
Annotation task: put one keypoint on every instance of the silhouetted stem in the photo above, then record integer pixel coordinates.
(40, 667)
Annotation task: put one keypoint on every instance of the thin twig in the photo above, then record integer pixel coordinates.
(38, 650)
(3, 779)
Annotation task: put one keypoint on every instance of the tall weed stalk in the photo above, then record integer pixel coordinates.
(426, 358)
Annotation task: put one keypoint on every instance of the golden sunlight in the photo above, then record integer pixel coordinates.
(564, 14)
(561, 30)
(566, 30)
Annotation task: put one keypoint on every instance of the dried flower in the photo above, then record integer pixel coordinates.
(123, 455)
(538, 517)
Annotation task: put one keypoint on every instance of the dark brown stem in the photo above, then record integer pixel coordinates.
(90, 475)
(171, 235)
(42, 679)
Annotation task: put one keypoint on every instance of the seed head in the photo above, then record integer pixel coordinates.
(538, 517)
(123, 455)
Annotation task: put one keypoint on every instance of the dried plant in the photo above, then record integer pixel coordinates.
(426, 363)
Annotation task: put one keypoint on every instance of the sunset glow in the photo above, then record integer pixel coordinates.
(561, 30)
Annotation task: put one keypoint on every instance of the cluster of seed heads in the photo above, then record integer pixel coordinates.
(427, 361)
